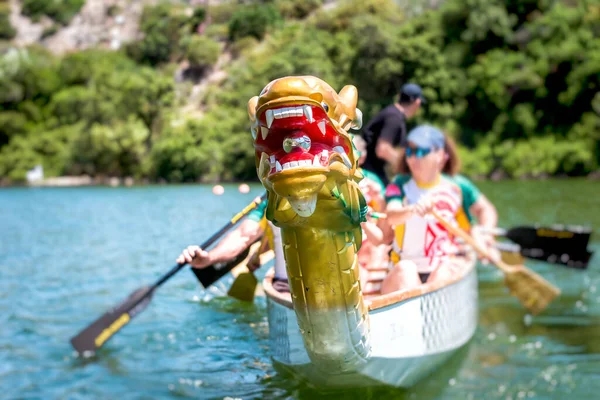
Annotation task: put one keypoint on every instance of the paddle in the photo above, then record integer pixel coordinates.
(212, 273)
(510, 253)
(572, 260)
(533, 291)
(556, 244)
(95, 335)
(244, 285)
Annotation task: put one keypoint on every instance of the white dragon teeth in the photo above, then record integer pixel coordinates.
(317, 161)
(287, 112)
(342, 153)
(264, 132)
(321, 126)
(308, 114)
(270, 117)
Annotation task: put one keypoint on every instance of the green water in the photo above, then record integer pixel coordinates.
(67, 255)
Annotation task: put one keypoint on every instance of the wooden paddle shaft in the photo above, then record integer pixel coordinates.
(469, 239)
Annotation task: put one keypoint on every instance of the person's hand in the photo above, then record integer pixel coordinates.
(195, 256)
(423, 207)
(487, 241)
(368, 184)
(369, 188)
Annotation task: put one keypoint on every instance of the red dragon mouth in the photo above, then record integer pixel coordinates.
(298, 135)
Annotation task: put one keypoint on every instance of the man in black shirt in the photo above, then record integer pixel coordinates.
(387, 130)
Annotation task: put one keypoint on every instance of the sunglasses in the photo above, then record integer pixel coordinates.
(418, 152)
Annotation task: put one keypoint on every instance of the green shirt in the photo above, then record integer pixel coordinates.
(373, 176)
(259, 212)
(470, 193)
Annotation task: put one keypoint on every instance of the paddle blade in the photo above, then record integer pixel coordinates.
(557, 239)
(533, 291)
(244, 287)
(510, 253)
(511, 258)
(95, 335)
(209, 275)
(576, 260)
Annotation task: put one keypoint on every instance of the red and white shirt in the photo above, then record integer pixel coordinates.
(423, 240)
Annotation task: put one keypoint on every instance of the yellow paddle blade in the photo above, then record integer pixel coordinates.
(533, 291)
(511, 257)
(244, 287)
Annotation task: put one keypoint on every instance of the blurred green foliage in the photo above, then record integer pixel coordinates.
(60, 11)
(253, 20)
(6, 29)
(516, 82)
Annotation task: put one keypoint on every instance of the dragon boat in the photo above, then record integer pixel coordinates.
(327, 331)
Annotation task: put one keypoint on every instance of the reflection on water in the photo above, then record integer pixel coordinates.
(66, 255)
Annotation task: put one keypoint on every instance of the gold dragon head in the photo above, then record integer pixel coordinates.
(304, 154)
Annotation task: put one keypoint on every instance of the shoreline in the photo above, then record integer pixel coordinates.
(85, 181)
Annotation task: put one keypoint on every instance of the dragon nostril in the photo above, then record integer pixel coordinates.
(302, 142)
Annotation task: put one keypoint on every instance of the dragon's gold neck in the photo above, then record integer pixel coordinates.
(306, 161)
(323, 273)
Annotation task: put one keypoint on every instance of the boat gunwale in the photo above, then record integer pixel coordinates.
(383, 300)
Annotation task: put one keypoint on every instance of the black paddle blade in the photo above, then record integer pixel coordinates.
(574, 260)
(209, 275)
(557, 239)
(95, 335)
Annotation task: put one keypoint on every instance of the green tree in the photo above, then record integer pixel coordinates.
(253, 20)
(60, 11)
(201, 51)
(6, 29)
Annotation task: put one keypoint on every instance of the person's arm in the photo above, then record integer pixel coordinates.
(485, 212)
(228, 248)
(397, 213)
(387, 152)
(392, 131)
(374, 234)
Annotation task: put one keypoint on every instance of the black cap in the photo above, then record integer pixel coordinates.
(411, 92)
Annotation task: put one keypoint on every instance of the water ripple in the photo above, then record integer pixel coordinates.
(67, 255)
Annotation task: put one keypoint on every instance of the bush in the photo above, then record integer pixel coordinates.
(222, 12)
(219, 32)
(163, 26)
(198, 17)
(547, 156)
(243, 45)
(12, 123)
(202, 52)
(60, 11)
(297, 8)
(253, 21)
(114, 150)
(6, 29)
(51, 148)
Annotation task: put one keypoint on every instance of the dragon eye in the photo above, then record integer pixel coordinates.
(325, 107)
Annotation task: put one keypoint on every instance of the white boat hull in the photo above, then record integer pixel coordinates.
(409, 338)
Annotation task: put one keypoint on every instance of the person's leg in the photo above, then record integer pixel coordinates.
(404, 275)
(446, 271)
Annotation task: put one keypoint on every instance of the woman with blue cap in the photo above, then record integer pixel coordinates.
(421, 248)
